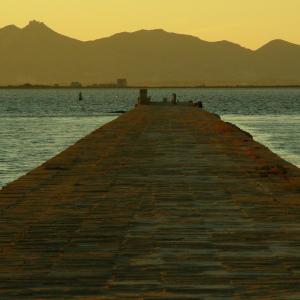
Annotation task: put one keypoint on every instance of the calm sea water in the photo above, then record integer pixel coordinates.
(37, 124)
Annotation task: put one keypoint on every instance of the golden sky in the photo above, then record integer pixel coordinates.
(250, 23)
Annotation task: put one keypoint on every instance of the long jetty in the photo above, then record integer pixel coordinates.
(165, 202)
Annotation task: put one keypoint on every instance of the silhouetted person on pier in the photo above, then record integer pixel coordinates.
(174, 99)
(80, 97)
(198, 104)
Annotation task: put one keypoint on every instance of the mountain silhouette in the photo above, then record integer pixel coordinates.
(38, 55)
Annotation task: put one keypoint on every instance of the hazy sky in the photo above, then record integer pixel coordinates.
(250, 23)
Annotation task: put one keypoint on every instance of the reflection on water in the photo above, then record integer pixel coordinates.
(280, 133)
(37, 124)
(28, 142)
(64, 102)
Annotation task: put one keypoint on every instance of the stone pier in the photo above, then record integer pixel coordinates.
(165, 202)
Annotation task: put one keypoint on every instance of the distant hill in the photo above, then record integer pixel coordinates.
(38, 55)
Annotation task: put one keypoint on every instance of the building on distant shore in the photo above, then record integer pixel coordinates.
(75, 84)
(122, 82)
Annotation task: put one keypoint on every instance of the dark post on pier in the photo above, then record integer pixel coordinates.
(165, 202)
(143, 98)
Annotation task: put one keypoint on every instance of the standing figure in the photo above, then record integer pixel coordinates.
(174, 99)
(80, 97)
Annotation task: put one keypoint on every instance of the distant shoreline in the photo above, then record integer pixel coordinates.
(25, 87)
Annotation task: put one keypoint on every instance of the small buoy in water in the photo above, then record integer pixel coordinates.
(80, 97)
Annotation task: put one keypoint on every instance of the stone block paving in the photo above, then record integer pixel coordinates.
(166, 202)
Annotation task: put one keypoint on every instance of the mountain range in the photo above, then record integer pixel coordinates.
(38, 55)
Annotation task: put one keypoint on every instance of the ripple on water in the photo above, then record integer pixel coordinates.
(280, 133)
(28, 142)
(37, 124)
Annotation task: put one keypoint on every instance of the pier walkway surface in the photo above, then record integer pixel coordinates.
(165, 202)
